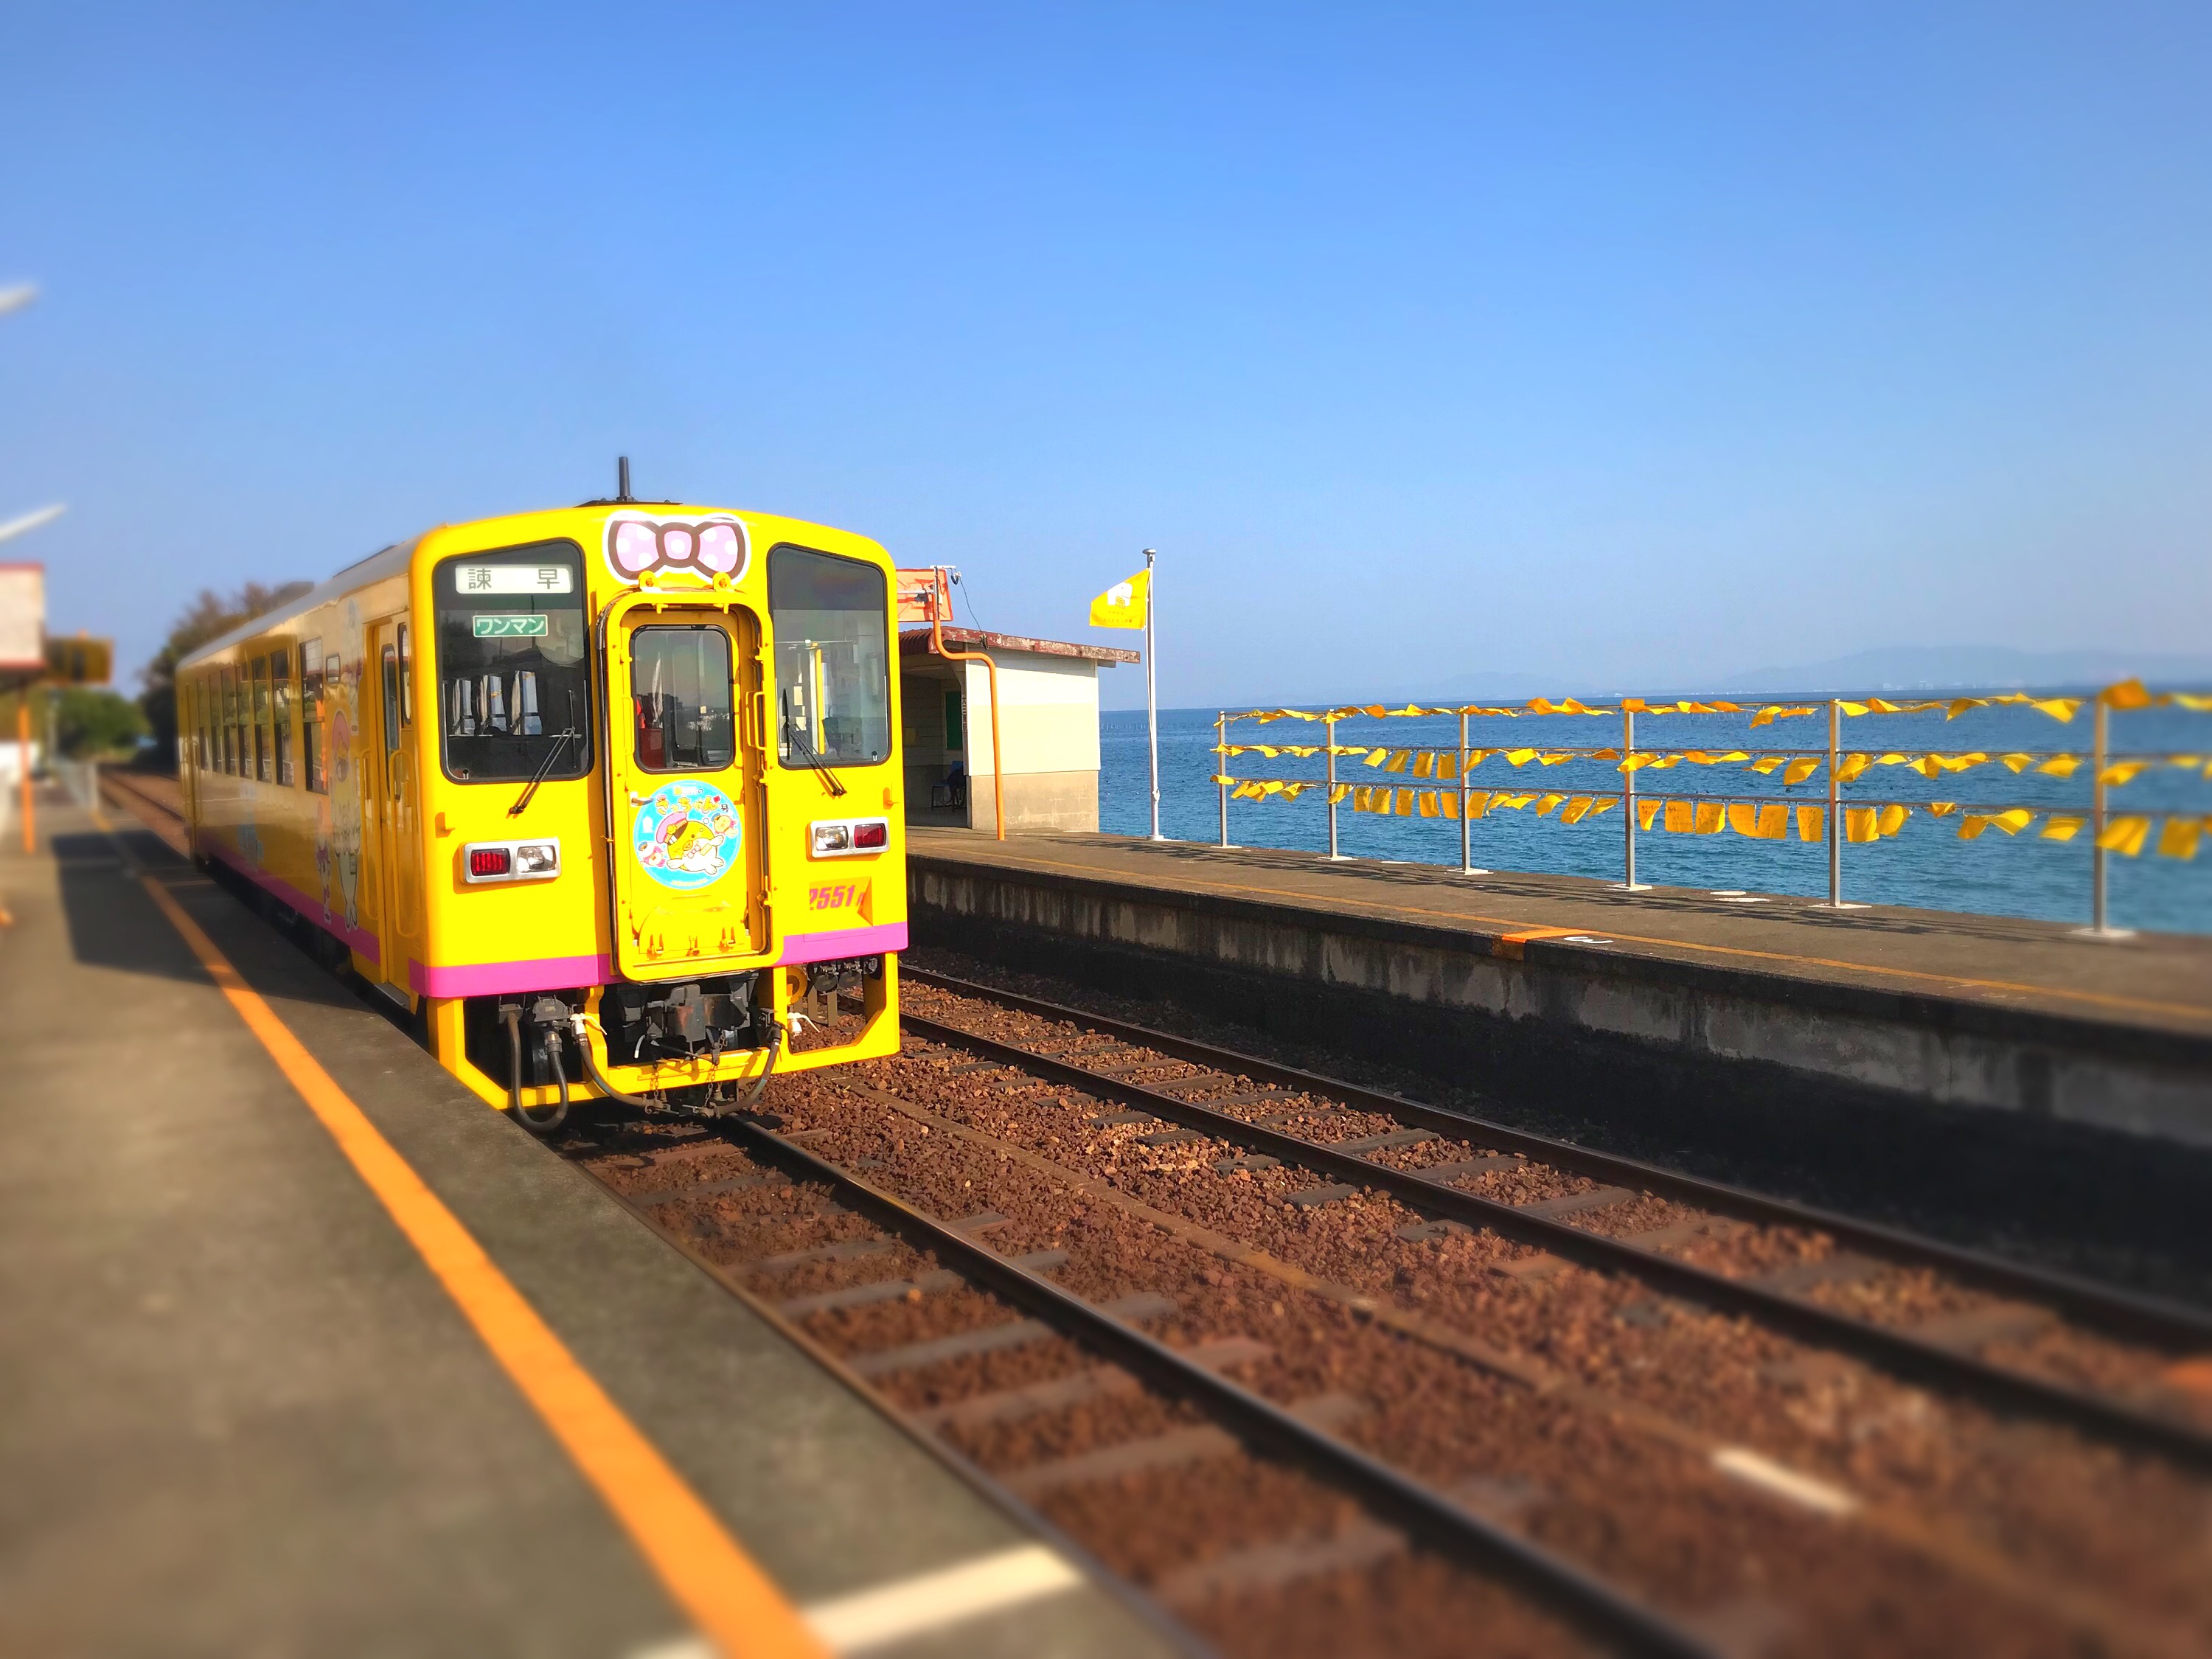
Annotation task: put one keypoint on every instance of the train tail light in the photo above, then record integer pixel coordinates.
(837, 838)
(510, 860)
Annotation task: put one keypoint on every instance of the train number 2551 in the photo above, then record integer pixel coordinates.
(851, 895)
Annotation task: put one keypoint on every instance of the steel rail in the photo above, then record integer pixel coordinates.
(1913, 1355)
(1425, 1511)
(1129, 1596)
(2118, 1310)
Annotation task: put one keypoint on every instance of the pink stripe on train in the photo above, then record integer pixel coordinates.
(845, 942)
(488, 979)
(311, 908)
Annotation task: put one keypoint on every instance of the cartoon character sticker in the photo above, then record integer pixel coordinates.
(687, 836)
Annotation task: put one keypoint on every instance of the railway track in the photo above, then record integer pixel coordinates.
(1348, 1513)
(1631, 1523)
(2168, 1409)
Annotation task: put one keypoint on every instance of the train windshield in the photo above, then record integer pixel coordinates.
(832, 659)
(514, 677)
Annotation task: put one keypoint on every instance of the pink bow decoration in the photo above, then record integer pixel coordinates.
(637, 545)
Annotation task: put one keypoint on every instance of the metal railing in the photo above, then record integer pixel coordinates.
(1842, 818)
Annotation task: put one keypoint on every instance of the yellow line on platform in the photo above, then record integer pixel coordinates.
(2187, 1011)
(721, 1588)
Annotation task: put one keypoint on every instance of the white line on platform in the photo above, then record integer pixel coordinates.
(931, 1601)
(1748, 1467)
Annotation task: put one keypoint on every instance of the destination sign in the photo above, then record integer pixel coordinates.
(508, 627)
(513, 579)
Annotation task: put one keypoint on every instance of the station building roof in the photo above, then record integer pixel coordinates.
(914, 642)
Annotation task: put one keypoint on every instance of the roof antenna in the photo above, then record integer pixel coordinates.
(621, 479)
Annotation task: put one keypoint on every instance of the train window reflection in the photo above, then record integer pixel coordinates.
(681, 699)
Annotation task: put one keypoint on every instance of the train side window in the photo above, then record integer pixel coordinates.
(314, 764)
(280, 685)
(681, 699)
(406, 680)
(263, 755)
(230, 722)
(390, 700)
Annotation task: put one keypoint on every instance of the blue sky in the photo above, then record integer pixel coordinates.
(1603, 342)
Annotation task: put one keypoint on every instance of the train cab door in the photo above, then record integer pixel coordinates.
(391, 820)
(683, 770)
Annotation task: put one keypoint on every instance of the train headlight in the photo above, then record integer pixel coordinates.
(538, 857)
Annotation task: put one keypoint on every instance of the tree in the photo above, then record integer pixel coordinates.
(90, 723)
(210, 616)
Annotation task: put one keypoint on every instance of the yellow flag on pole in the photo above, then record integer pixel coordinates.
(1123, 604)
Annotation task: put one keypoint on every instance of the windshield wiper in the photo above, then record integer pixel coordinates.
(560, 743)
(806, 753)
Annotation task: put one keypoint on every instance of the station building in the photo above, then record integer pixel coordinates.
(1047, 707)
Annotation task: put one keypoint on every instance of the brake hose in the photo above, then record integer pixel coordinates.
(774, 1048)
(599, 1082)
(535, 1126)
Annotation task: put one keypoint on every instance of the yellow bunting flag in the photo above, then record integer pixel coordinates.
(1451, 804)
(1801, 768)
(1891, 819)
(1520, 757)
(1398, 760)
(1447, 767)
(2124, 834)
(1681, 817)
(1852, 766)
(1124, 604)
(1424, 764)
(1577, 810)
(1743, 818)
(1712, 817)
(1478, 803)
(1429, 802)
(1646, 811)
(1811, 824)
(2180, 837)
(1860, 824)
(2061, 826)
(1337, 792)
(1405, 804)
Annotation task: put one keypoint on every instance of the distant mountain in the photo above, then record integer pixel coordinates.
(1948, 667)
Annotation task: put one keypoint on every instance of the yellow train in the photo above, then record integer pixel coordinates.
(607, 795)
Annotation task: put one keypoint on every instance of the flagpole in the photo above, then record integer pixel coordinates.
(1151, 697)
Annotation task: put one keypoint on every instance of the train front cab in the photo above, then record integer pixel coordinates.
(751, 889)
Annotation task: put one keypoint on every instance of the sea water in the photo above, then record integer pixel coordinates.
(1925, 865)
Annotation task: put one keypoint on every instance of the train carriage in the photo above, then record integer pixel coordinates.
(607, 796)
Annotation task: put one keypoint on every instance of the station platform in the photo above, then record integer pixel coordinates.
(1688, 1017)
(246, 1416)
